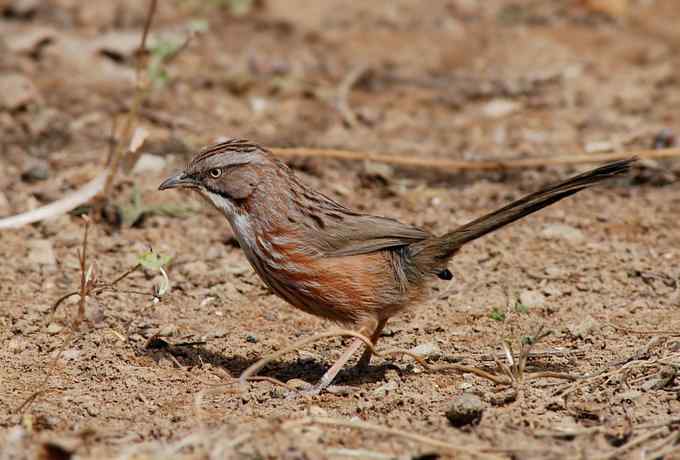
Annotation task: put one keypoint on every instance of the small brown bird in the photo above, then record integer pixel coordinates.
(327, 260)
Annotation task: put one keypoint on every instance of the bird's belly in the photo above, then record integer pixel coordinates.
(342, 289)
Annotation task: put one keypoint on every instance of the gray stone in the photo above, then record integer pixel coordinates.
(427, 350)
(54, 328)
(316, 411)
(23, 8)
(552, 291)
(36, 173)
(24, 326)
(585, 328)
(531, 299)
(16, 345)
(465, 409)
(71, 354)
(563, 232)
(499, 108)
(149, 163)
(383, 390)
(168, 330)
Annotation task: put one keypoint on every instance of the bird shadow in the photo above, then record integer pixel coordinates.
(307, 369)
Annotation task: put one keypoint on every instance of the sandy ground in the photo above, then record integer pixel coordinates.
(454, 79)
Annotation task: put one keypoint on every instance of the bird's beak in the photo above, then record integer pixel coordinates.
(177, 180)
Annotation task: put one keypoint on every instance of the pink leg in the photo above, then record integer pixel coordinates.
(365, 359)
(368, 326)
(331, 373)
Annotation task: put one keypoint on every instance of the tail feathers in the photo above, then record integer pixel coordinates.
(446, 245)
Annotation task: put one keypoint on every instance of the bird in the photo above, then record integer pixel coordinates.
(349, 267)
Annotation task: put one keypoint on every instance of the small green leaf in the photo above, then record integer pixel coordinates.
(497, 314)
(152, 260)
(236, 7)
(198, 25)
(520, 307)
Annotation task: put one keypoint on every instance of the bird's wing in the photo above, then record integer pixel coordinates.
(361, 234)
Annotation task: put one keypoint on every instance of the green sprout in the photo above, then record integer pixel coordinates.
(497, 315)
(153, 261)
(521, 308)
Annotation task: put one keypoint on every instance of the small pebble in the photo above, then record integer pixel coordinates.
(427, 350)
(378, 170)
(465, 409)
(251, 338)
(36, 173)
(563, 232)
(149, 163)
(499, 108)
(258, 104)
(503, 397)
(24, 326)
(92, 409)
(16, 345)
(278, 392)
(585, 328)
(71, 354)
(385, 389)
(316, 411)
(297, 384)
(664, 378)
(341, 390)
(54, 328)
(553, 271)
(552, 291)
(531, 299)
(168, 330)
(599, 147)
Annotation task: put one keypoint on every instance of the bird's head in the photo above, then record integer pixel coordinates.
(226, 174)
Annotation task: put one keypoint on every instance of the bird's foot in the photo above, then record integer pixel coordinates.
(304, 389)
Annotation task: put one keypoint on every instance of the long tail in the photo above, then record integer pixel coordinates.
(446, 245)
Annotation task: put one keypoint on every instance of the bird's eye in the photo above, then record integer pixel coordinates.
(215, 173)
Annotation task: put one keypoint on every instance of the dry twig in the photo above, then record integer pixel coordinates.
(59, 207)
(86, 280)
(530, 355)
(365, 426)
(95, 186)
(440, 164)
(344, 91)
(249, 373)
(141, 90)
(616, 453)
(644, 332)
(513, 374)
(96, 288)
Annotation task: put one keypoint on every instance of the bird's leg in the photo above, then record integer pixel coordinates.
(365, 359)
(331, 373)
(329, 376)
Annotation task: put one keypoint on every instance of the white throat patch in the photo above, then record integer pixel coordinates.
(240, 223)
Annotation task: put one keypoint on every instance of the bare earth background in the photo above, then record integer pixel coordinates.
(456, 79)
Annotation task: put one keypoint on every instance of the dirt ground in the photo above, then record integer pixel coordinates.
(455, 79)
